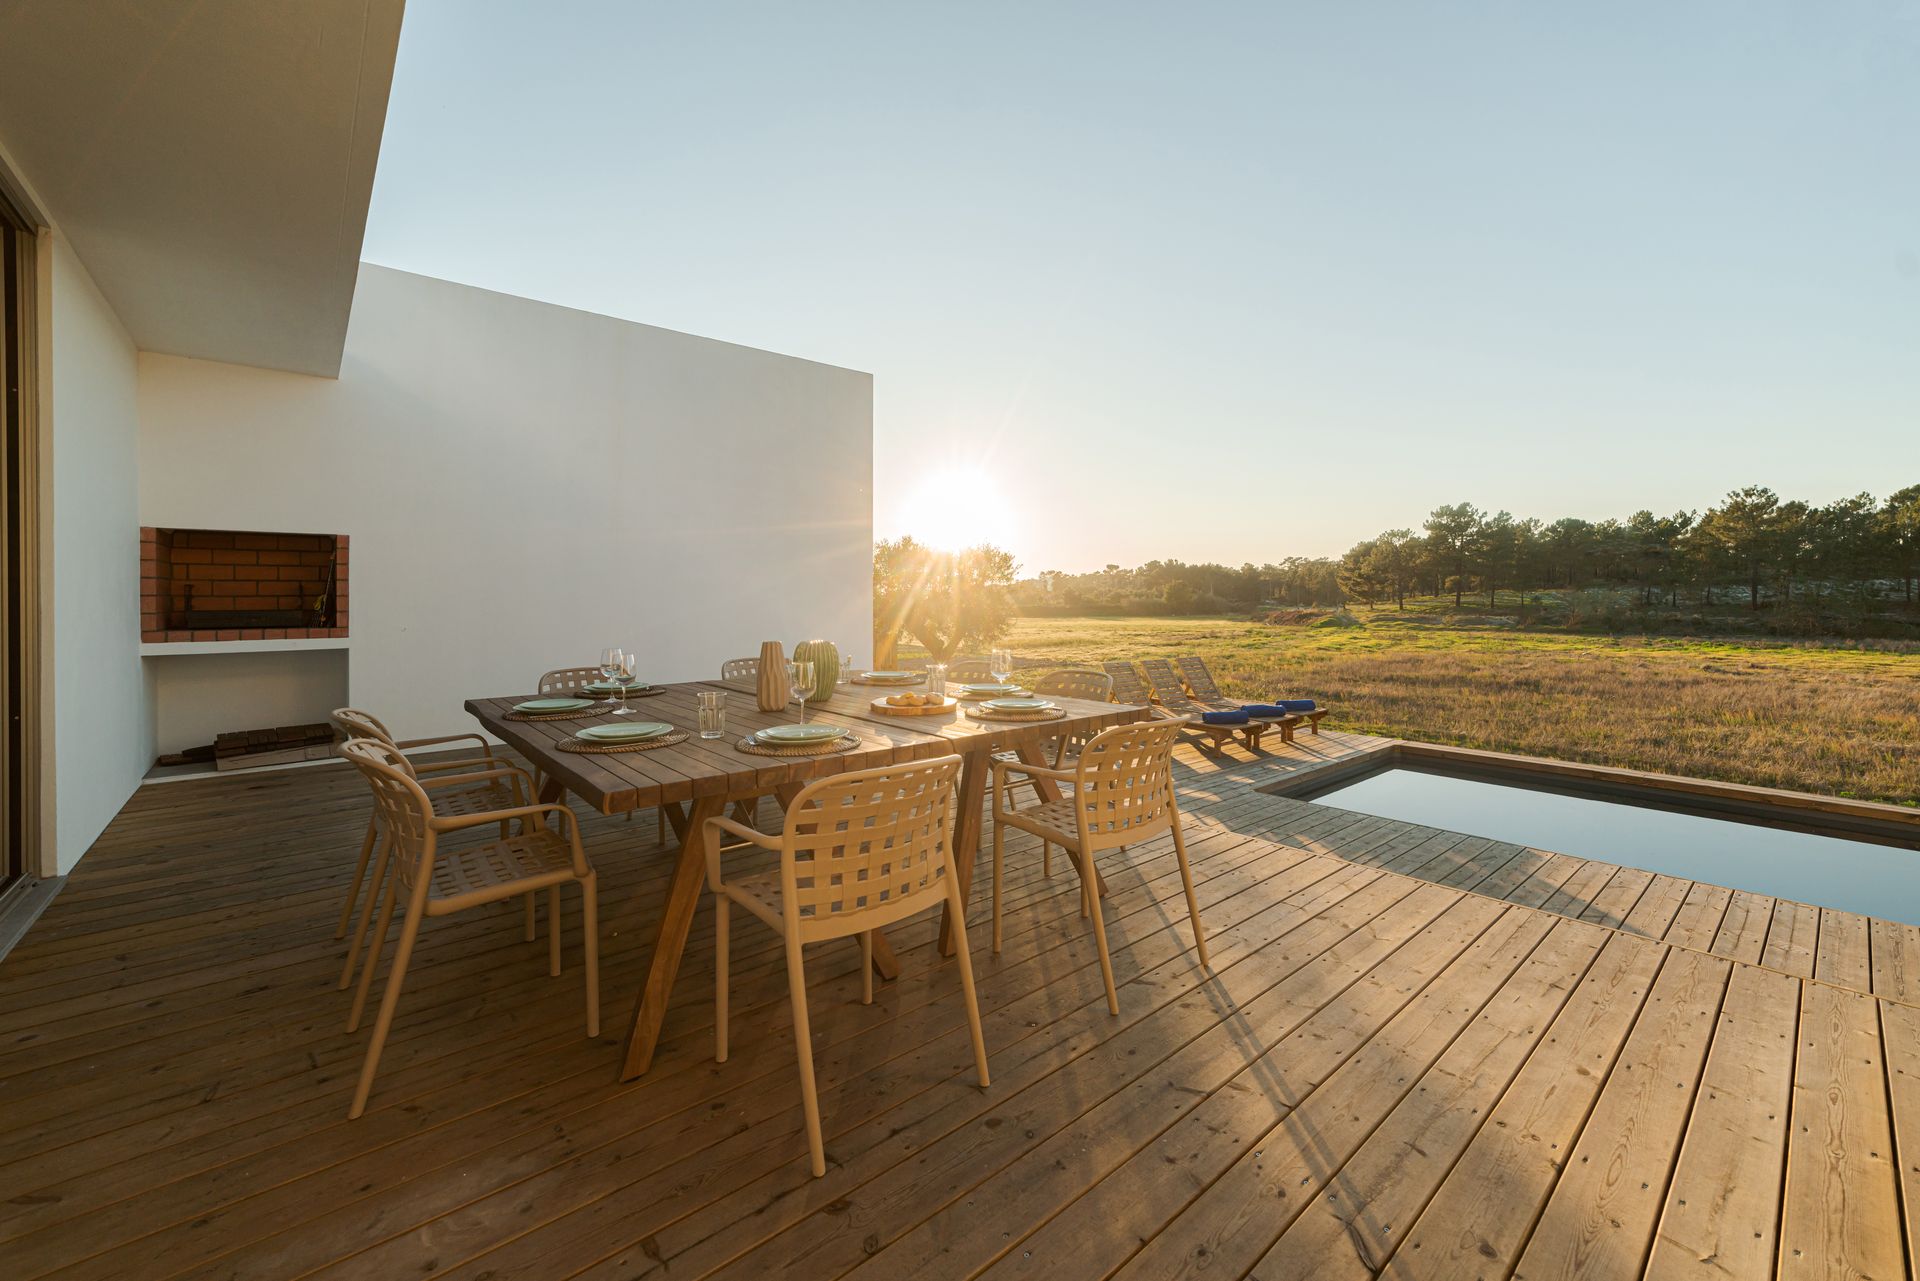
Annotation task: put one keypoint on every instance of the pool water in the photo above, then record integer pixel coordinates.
(1828, 871)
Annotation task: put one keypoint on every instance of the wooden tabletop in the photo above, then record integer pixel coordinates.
(619, 781)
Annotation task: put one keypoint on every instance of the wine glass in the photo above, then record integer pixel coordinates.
(623, 673)
(800, 672)
(1001, 665)
(612, 660)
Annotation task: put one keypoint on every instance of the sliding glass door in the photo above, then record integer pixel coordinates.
(16, 506)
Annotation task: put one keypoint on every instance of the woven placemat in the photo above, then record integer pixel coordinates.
(578, 714)
(587, 747)
(987, 714)
(847, 744)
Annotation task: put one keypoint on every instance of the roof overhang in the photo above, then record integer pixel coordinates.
(210, 161)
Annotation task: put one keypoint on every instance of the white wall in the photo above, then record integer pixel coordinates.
(100, 724)
(525, 484)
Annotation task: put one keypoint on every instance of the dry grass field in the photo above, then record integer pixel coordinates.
(1819, 718)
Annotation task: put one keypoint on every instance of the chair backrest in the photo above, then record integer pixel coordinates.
(569, 680)
(1164, 680)
(1193, 669)
(1076, 682)
(740, 669)
(1123, 788)
(404, 808)
(867, 847)
(1126, 684)
(970, 669)
(351, 723)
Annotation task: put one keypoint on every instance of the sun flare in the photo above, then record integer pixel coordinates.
(959, 507)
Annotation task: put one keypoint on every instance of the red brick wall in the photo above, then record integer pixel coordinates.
(237, 570)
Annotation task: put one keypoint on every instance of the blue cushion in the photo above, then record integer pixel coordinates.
(1224, 718)
(1296, 704)
(1264, 709)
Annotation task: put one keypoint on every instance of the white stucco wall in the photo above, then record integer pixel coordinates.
(524, 484)
(101, 733)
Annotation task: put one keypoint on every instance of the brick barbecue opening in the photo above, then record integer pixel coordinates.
(239, 585)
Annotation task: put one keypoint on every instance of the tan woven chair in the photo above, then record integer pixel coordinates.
(1171, 694)
(438, 882)
(1068, 682)
(970, 669)
(495, 784)
(569, 680)
(859, 852)
(1122, 793)
(740, 669)
(574, 680)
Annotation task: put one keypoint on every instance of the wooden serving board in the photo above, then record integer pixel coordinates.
(946, 704)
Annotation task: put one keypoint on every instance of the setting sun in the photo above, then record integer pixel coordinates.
(957, 507)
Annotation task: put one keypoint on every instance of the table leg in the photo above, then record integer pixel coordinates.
(886, 962)
(676, 920)
(676, 818)
(966, 833)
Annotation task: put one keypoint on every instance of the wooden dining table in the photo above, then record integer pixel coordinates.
(700, 778)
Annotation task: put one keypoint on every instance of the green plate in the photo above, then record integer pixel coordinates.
(815, 733)
(537, 706)
(989, 687)
(895, 676)
(1018, 704)
(624, 733)
(608, 687)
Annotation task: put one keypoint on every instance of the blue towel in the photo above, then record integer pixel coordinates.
(1264, 709)
(1224, 718)
(1296, 704)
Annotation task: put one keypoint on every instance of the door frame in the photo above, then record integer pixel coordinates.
(19, 220)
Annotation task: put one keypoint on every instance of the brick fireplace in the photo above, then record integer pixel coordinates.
(238, 585)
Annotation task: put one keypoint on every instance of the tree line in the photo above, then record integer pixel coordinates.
(1176, 587)
(1753, 548)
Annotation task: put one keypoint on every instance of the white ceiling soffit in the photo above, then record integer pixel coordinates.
(210, 160)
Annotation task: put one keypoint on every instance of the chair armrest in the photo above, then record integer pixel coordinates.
(1037, 771)
(483, 764)
(501, 770)
(710, 837)
(486, 748)
(462, 822)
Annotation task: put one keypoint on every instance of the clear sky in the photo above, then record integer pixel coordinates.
(1221, 281)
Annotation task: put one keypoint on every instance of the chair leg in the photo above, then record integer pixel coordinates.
(1193, 904)
(375, 943)
(553, 931)
(389, 1001)
(965, 956)
(803, 1049)
(530, 932)
(1046, 858)
(721, 948)
(999, 850)
(866, 967)
(359, 871)
(367, 909)
(1099, 914)
(590, 920)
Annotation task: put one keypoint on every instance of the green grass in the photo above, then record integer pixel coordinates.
(1835, 718)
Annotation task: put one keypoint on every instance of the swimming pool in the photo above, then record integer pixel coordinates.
(1874, 872)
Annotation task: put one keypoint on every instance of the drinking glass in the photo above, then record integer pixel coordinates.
(611, 659)
(713, 713)
(800, 672)
(845, 675)
(629, 662)
(1001, 665)
(937, 679)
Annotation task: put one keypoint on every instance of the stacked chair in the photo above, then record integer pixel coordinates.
(436, 881)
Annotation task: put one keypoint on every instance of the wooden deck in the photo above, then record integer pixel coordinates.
(1418, 1055)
